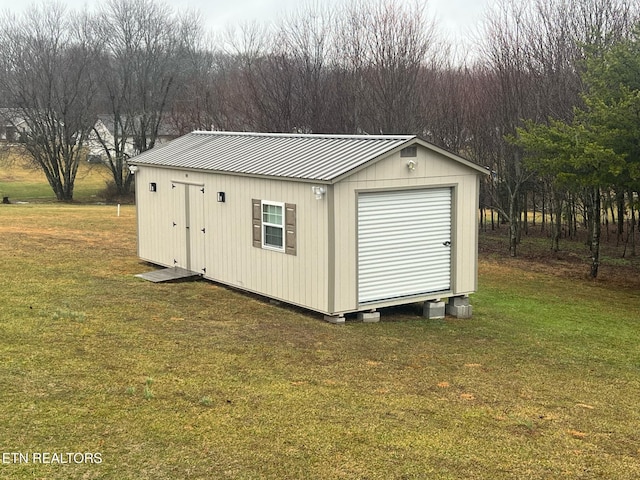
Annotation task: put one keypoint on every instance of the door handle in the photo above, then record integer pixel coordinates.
(447, 243)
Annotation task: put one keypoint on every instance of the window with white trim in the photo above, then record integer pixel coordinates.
(273, 225)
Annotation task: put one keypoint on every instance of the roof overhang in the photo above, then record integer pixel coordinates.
(292, 157)
(416, 141)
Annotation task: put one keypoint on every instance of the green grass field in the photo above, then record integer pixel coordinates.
(193, 380)
(22, 183)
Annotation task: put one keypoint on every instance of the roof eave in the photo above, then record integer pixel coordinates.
(329, 178)
(453, 156)
(323, 181)
(373, 160)
(409, 142)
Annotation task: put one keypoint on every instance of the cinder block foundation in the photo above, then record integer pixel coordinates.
(433, 310)
(459, 307)
(369, 317)
(335, 319)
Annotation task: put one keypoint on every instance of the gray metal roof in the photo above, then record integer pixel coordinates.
(294, 156)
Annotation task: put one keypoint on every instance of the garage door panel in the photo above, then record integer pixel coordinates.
(379, 267)
(396, 238)
(403, 243)
(437, 267)
(409, 232)
(437, 254)
(407, 289)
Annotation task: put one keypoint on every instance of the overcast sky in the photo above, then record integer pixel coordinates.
(457, 18)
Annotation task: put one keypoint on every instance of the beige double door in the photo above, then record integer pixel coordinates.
(188, 231)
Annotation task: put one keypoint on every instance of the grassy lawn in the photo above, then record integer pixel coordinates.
(192, 380)
(23, 183)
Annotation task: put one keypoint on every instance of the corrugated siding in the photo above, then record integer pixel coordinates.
(304, 157)
(404, 242)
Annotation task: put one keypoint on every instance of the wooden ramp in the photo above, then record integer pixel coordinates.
(168, 274)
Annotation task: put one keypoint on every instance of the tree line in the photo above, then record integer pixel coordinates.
(547, 101)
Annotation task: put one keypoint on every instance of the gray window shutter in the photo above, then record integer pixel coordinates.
(257, 223)
(290, 229)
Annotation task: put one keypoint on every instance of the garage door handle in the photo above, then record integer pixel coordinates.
(447, 243)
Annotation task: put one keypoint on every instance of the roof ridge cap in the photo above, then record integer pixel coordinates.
(305, 135)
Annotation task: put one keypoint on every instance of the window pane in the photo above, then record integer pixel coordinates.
(273, 236)
(272, 214)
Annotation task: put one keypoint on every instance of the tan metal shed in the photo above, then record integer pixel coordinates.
(333, 223)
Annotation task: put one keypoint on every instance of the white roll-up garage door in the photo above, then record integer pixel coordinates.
(404, 243)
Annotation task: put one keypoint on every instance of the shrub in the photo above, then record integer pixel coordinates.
(110, 194)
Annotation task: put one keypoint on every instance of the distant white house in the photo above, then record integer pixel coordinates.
(103, 137)
(12, 125)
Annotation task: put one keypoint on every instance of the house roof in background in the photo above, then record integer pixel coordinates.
(11, 116)
(165, 129)
(292, 156)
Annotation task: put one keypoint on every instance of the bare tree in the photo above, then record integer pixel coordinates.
(445, 90)
(198, 104)
(48, 59)
(306, 38)
(144, 46)
(265, 79)
(510, 99)
(383, 48)
(348, 69)
(357, 69)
